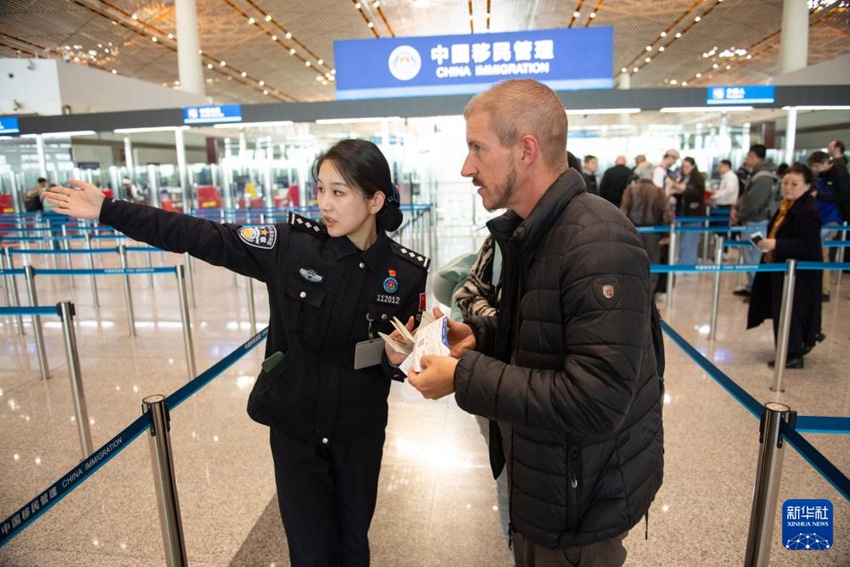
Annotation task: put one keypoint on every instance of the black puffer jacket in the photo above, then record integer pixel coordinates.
(580, 393)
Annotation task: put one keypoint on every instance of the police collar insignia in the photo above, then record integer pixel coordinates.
(311, 275)
(391, 284)
(258, 236)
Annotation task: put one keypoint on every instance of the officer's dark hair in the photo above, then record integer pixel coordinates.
(840, 145)
(727, 163)
(802, 169)
(588, 158)
(758, 150)
(41, 180)
(364, 167)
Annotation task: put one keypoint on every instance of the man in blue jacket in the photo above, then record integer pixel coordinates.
(566, 371)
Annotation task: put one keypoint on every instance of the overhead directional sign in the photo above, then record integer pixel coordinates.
(759, 94)
(564, 59)
(9, 125)
(212, 114)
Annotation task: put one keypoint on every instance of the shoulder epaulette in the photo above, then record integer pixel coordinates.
(305, 224)
(410, 255)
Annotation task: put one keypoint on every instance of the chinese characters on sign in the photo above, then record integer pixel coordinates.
(465, 64)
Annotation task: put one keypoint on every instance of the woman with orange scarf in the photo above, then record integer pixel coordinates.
(793, 233)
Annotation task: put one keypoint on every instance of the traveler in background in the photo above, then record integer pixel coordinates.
(727, 193)
(793, 233)
(753, 206)
(575, 394)
(645, 204)
(689, 191)
(661, 175)
(332, 287)
(614, 181)
(836, 150)
(591, 164)
(832, 192)
(33, 198)
(639, 160)
(642, 171)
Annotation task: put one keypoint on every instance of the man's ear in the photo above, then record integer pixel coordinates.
(529, 148)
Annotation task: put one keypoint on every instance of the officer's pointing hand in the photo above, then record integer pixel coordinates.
(437, 378)
(82, 202)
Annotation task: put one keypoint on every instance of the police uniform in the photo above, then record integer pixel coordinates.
(327, 420)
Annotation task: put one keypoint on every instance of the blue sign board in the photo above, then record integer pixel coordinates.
(212, 114)
(9, 125)
(563, 59)
(759, 94)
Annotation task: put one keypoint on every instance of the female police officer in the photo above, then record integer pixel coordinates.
(332, 286)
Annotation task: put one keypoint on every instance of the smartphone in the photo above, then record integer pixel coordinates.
(756, 238)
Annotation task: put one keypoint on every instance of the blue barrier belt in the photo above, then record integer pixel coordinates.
(834, 476)
(22, 252)
(20, 520)
(701, 268)
(822, 424)
(6, 311)
(820, 463)
(187, 390)
(17, 522)
(104, 271)
(737, 392)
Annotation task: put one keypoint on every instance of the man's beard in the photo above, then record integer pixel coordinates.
(506, 198)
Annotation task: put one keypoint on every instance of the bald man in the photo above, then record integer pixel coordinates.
(615, 180)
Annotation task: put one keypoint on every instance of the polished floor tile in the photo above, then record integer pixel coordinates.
(437, 501)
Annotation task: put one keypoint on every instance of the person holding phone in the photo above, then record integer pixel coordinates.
(793, 233)
(332, 286)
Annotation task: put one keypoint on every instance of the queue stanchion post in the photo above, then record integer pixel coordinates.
(66, 313)
(90, 264)
(49, 244)
(839, 256)
(190, 280)
(66, 246)
(29, 274)
(706, 224)
(252, 313)
(183, 295)
(128, 292)
(784, 324)
(768, 477)
(715, 300)
(671, 261)
(12, 289)
(149, 264)
(168, 504)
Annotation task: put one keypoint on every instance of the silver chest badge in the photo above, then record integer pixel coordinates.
(311, 275)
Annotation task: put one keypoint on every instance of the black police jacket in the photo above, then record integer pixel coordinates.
(325, 296)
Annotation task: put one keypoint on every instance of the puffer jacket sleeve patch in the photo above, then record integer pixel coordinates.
(608, 291)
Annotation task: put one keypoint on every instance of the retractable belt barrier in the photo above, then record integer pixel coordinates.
(808, 424)
(35, 507)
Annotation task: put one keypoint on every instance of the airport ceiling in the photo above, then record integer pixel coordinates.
(282, 50)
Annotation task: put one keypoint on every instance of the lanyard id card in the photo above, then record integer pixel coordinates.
(368, 353)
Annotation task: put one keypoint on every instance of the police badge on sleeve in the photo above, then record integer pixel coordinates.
(258, 236)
